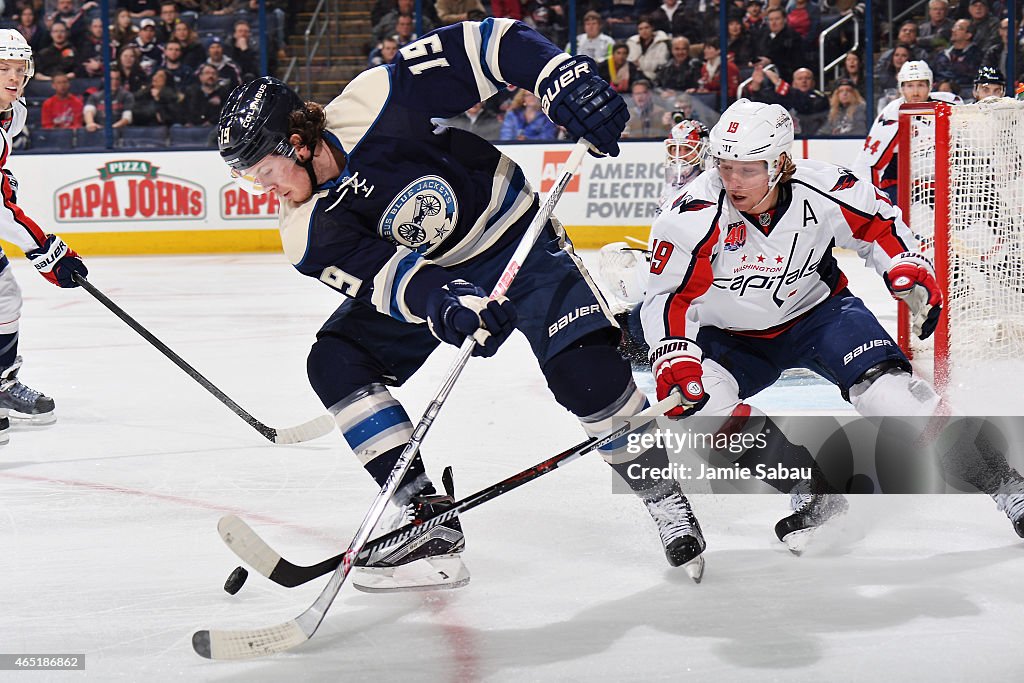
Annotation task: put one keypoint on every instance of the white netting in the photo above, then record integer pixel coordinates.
(985, 297)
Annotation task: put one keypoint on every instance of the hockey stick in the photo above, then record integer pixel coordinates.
(307, 431)
(246, 644)
(255, 552)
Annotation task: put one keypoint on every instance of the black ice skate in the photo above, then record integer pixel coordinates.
(680, 533)
(5, 430)
(634, 350)
(1010, 499)
(810, 511)
(22, 401)
(427, 562)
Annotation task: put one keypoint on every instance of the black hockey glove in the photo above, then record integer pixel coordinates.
(575, 97)
(460, 309)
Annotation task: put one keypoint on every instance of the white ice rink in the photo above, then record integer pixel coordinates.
(108, 541)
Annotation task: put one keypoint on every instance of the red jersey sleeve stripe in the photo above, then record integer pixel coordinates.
(696, 282)
(875, 229)
(34, 231)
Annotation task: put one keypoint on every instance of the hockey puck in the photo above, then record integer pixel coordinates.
(235, 581)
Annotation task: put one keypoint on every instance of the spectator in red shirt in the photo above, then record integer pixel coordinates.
(62, 109)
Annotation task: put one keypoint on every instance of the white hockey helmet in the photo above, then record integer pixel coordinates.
(915, 71)
(14, 46)
(687, 143)
(754, 131)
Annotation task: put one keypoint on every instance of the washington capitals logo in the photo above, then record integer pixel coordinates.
(422, 214)
(846, 181)
(685, 202)
(736, 237)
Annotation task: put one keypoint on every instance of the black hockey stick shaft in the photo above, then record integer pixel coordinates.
(268, 432)
(291, 575)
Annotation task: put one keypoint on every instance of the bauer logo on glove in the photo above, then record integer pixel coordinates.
(56, 262)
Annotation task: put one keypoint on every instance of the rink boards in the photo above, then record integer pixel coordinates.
(151, 202)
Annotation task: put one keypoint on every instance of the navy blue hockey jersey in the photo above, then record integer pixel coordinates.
(412, 197)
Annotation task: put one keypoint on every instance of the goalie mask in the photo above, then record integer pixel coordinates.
(754, 131)
(254, 123)
(14, 47)
(686, 148)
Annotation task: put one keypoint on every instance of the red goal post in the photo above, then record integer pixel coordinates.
(961, 190)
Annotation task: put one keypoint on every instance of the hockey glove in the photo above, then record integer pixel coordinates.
(56, 262)
(676, 365)
(911, 279)
(460, 308)
(575, 97)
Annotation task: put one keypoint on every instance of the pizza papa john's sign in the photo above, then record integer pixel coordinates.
(129, 190)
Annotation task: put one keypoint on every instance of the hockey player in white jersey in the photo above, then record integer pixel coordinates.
(876, 162)
(743, 286)
(49, 254)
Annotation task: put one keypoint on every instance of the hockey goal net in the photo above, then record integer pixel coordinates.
(961, 190)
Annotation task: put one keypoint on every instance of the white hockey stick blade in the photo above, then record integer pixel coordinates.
(432, 573)
(307, 431)
(248, 644)
(245, 543)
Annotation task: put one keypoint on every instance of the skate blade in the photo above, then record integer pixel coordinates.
(40, 420)
(443, 572)
(797, 541)
(835, 531)
(695, 568)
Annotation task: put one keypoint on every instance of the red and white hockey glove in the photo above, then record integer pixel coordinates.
(911, 278)
(56, 262)
(676, 365)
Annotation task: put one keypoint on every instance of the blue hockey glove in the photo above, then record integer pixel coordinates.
(460, 308)
(575, 97)
(57, 262)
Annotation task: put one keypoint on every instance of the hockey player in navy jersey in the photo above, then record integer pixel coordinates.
(743, 285)
(49, 254)
(412, 225)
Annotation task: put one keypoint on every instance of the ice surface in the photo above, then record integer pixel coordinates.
(109, 543)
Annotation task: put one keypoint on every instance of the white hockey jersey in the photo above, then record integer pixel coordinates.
(757, 275)
(876, 162)
(15, 226)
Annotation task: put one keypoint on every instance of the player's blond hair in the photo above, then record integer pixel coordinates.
(788, 169)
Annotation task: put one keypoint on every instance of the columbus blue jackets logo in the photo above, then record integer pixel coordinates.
(845, 182)
(736, 237)
(422, 215)
(685, 202)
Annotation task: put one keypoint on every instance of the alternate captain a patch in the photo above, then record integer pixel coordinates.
(422, 215)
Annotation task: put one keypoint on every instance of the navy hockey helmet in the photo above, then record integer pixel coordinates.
(989, 75)
(254, 122)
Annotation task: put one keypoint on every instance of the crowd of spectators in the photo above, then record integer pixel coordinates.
(665, 56)
(172, 63)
